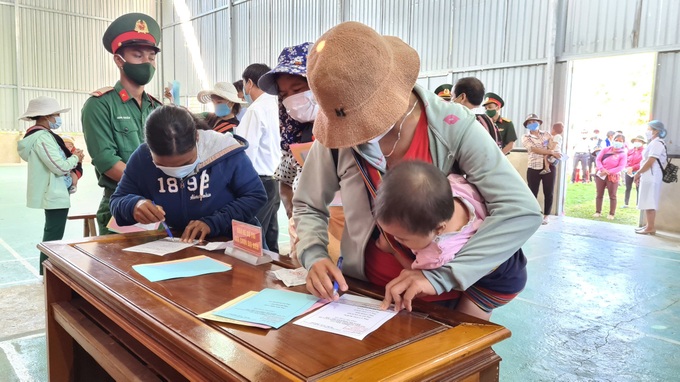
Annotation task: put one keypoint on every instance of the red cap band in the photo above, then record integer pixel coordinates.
(131, 35)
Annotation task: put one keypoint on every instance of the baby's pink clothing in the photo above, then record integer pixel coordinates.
(444, 247)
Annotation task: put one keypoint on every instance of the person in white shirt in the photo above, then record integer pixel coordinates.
(260, 127)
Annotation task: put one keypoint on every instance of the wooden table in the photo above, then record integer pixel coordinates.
(105, 321)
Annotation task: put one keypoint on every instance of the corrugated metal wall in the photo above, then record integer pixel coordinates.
(518, 48)
(666, 96)
(53, 48)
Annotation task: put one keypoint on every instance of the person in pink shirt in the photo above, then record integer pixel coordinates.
(632, 166)
(435, 224)
(609, 163)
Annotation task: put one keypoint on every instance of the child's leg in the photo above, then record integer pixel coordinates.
(465, 305)
(74, 178)
(546, 165)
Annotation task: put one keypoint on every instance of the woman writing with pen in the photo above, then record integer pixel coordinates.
(194, 180)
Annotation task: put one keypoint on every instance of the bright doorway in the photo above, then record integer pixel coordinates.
(607, 94)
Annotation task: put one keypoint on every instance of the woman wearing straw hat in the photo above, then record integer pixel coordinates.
(227, 103)
(650, 175)
(372, 111)
(632, 166)
(49, 166)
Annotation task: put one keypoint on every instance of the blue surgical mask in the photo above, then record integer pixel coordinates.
(56, 124)
(533, 126)
(222, 109)
(180, 172)
(247, 96)
(617, 145)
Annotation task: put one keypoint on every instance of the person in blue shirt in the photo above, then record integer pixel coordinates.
(195, 180)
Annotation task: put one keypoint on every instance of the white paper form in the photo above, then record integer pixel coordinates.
(161, 247)
(350, 316)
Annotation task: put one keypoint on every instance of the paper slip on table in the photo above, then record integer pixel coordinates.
(107, 322)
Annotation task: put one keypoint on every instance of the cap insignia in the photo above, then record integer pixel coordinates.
(141, 27)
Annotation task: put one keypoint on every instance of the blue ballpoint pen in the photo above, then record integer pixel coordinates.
(335, 283)
(165, 225)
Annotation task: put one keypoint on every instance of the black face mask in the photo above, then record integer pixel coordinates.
(141, 74)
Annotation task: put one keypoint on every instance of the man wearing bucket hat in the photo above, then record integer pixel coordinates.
(536, 142)
(347, 67)
(49, 166)
(227, 105)
(260, 127)
(113, 117)
(493, 103)
(632, 166)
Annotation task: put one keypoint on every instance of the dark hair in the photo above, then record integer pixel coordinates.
(238, 85)
(239, 88)
(254, 71)
(171, 130)
(415, 194)
(473, 89)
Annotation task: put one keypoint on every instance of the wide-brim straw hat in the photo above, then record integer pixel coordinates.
(362, 82)
(532, 117)
(221, 89)
(42, 106)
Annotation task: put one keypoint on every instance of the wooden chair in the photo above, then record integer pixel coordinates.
(89, 223)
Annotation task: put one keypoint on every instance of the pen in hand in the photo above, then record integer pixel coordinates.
(164, 224)
(335, 283)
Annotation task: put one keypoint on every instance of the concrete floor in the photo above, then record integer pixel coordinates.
(601, 303)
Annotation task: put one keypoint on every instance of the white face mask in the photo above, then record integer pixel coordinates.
(302, 107)
(379, 137)
(649, 134)
(180, 172)
(637, 144)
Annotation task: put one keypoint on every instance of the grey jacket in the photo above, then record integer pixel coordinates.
(454, 136)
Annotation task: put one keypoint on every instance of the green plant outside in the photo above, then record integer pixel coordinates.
(580, 203)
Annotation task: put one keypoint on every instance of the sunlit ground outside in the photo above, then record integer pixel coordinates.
(580, 203)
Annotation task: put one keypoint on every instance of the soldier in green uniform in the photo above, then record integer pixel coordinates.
(493, 104)
(444, 91)
(113, 118)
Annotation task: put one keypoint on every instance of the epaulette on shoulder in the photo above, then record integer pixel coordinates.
(154, 98)
(102, 91)
(506, 120)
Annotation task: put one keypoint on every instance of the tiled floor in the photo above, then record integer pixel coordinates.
(601, 303)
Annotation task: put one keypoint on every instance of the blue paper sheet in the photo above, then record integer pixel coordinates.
(271, 307)
(194, 266)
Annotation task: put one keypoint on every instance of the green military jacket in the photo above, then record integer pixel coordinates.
(113, 126)
(506, 130)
